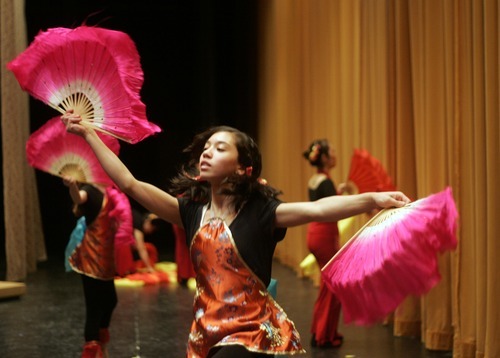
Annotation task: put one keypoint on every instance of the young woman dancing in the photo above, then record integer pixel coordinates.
(323, 241)
(233, 221)
(106, 222)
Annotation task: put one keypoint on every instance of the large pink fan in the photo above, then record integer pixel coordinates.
(55, 151)
(94, 71)
(367, 173)
(394, 255)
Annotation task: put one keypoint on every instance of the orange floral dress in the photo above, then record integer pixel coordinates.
(232, 305)
(94, 256)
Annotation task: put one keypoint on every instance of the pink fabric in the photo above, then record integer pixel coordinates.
(102, 65)
(51, 148)
(122, 213)
(394, 256)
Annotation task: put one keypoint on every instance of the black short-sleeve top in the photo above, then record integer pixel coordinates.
(92, 207)
(326, 188)
(253, 231)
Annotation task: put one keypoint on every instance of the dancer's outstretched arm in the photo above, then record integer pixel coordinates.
(149, 196)
(337, 207)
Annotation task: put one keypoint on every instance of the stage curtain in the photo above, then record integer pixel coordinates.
(415, 83)
(24, 241)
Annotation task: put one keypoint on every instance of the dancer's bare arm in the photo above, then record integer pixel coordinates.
(335, 208)
(149, 196)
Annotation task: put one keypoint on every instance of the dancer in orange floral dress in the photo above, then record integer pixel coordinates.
(233, 221)
(108, 222)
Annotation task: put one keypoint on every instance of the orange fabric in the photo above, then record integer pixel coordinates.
(149, 278)
(323, 242)
(152, 254)
(124, 260)
(182, 259)
(95, 255)
(232, 305)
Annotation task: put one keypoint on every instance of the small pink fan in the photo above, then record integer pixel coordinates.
(94, 71)
(394, 255)
(55, 151)
(367, 173)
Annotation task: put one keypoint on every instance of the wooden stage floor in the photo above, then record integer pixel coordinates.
(153, 321)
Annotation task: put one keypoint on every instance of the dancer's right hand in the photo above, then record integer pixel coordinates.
(73, 123)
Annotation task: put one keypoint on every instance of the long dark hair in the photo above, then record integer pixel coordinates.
(241, 187)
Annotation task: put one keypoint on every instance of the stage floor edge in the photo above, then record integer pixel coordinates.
(11, 289)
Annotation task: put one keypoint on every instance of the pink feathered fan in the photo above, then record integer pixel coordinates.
(394, 255)
(367, 173)
(55, 151)
(94, 71)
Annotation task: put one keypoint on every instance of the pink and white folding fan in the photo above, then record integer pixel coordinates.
(394, 255)
(368, 174)
(94, 71)
(55, 151)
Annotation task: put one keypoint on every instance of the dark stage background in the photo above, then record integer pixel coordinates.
(199, 60)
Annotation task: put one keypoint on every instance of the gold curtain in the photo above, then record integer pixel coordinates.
(417, 84)
(23, 224)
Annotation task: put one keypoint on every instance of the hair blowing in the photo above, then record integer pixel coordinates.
(241, 187)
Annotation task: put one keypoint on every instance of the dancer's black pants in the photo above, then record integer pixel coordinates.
(100, 301)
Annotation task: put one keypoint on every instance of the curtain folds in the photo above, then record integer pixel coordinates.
(417, 84)
(24, 241)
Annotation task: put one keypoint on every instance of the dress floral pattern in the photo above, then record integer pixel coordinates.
(232, 305)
